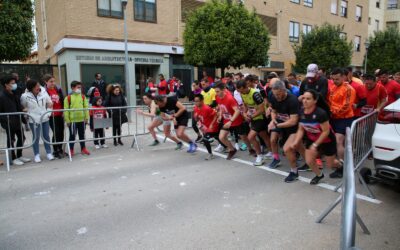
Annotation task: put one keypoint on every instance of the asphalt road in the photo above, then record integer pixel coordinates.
(157, 198)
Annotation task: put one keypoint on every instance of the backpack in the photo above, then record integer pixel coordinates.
(69, 100)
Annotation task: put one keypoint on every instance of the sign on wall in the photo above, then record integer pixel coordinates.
(119, 59)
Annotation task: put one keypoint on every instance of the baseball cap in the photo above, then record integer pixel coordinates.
(312, 70)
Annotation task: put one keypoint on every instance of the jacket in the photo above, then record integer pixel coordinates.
(101, 86)
(76, 101)
(10, 103)
(118, 115)
(37, 106)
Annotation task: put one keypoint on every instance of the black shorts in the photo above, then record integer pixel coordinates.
(242, 129)
(259, 125)
(340, 125)
(209, 136)
(285, 133)
(327, 149)
(181, 121)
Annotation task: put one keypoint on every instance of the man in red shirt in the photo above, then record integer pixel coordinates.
(162, 86)
(391, 86)
(229, 114)
(209, 78)
(361, 93)
(172, 84)
(376, 95)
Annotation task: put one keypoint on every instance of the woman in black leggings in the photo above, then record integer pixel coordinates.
(115, 98)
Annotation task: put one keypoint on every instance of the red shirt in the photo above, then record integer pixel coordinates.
(163, 84)
(205, 115)
(57, 103)
(361, 93)
(98, 114)
(374, 97)
(210, 79)
(392, 89)
(171, 85)
(226, 106)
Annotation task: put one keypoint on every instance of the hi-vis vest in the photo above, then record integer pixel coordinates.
(251, 103)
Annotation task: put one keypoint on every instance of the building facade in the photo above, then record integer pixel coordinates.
(383, 14)
(85, 37)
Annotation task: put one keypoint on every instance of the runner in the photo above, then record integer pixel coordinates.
(229, 113)
(196, 90)
(172, 109)
(391, 86)
(206, 118)
(314, 81)
(376, 95)
(208, 93)
(361, 93)
(254, 110)
(285, 110)
(319, 138)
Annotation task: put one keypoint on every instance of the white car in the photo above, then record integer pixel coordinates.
(386, 144)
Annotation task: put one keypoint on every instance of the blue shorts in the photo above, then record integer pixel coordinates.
(340, 125)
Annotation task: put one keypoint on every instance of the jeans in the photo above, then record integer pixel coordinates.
(77, 127)
(36, 132)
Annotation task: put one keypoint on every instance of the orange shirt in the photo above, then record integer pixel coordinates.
(341, 100)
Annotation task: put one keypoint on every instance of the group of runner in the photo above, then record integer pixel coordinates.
(307, 121)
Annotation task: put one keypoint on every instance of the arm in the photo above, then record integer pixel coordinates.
(181, 109)
(293, 120)
(338, 109)
(260, 108)
(324, 134)
(234, 117)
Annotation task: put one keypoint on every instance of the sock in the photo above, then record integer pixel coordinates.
(293, 170)
(276, 156)
(320, 174)
(190, 142)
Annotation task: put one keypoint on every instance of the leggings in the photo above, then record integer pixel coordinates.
(207, 138)
(194, 124)
(117, 131)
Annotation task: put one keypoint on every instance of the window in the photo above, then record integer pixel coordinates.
(343, 8)
(271, 23)
(358, 13)
(376, 25)
(391, 25)
(145, 10)
(343, 35)
(294, 32)
(306, 29)
(295, 1)
(378, 4)
(392, 4)
(357, 42)
(109, 8)
(334, 7)
(308, 3)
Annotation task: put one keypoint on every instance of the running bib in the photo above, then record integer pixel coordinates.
(251, 111)
(283, 117)
(98, 116)
(367, 109)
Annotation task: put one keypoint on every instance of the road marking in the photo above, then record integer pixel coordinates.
(283, 173)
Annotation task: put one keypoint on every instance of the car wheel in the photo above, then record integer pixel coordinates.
(366, 174)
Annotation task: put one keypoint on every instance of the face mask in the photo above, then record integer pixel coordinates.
(78, 91)
(14, 86)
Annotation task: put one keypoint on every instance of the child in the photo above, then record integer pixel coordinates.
(76, 120)
(97, 115)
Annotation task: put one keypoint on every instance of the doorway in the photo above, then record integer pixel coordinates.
(142, 74)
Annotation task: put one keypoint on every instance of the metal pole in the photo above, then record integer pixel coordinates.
(127, 87)
(366, 58)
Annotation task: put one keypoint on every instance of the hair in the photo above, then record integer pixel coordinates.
(397, 74)
(370, 77)
(239, 74)
(349, 69)
(337, 71)
(47, 77)
(161, 75)
(159, 98)
(150, 79)
(75, 83)
(357, 74)
(292, 74)
(196, 82)
(95, 99)
(149, 95)
(320, 101)
(323, 69)
(7, 79)
(200, 96)
(111, 87)
(204, 80)
(286, 83)
(383, 72)
(227, 74)
(241, 84)
(278, 85)
(220, 86)
(31, 84)
(95, 75)
(251, 78)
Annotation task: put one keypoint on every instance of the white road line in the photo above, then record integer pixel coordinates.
(283, 173)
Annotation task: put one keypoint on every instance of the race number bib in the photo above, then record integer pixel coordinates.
(283, 117)
(367, 109)
(98, 116)
(251, 111)
(227, 116)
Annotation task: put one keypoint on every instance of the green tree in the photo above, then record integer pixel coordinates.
(323, 46)
(221, 34)
(16, 35)
(384, 51)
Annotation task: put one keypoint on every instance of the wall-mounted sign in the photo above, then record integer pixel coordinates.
(120, 59)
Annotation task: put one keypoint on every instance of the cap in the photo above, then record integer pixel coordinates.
(312, 70)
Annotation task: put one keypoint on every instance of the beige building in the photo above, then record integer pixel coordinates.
(85, 37)
(383, 14)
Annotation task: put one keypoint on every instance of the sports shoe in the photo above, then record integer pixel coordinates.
(219, 149)
(243, 147)
(37, 159)
(268, 156)
(120, 142)
(237, 146)
(259, 161)
(231, 154)
(274, 164)
(338, 173)
(252, 152)
(96, 146)
(50, 157)
(85, 151)
(316, 179)
(155, 143)
(304, 168)
(104, 146)
(24, 159)
(209, 157)
(179, 146)
(199, 139)
(17, 162)
(192, 148)
(292, 177)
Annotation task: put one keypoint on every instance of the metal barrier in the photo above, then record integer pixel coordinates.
(348, 198)
(11, 133)
(361, 132)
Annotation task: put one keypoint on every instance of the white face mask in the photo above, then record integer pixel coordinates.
(78, 91)
(14, 86)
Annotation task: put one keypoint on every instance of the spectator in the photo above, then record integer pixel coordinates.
(290, 85)
(21, 86)
(391, 86)
(115, 98)
(151, 87)
(36, 101)
(209, 78)
(314, 81)
(173, 84)
(76, 120)
(162, 86)
(98, 113)
(10, 103)
(397, 77)
(56, 119)
(100, 85)
(292, 78)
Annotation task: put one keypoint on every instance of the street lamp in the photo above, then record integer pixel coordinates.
(366, 55)
(124, 4)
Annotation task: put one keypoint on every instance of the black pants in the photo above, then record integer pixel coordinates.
(99, 133)
(206, 140)
(117, 131)
(11, 139)
(194, 124)
(57, 126)
(77, 127)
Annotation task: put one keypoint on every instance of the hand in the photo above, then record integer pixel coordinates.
(247, 117)
(227, 125)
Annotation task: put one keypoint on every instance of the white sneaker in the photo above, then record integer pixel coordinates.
(24, 159)
(104, 146)
(237, 146)
(209, 157)
(17, 162)
(268, 156)
(219, 148)
(96, 146)
(50, 157)
(259, 160)
(37, 159)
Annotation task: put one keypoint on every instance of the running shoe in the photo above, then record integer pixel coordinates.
(50, 157)
(292, 177)
(316, 179)
(155, 143)
(104, 146)
(243, 147)
(304, 168)
(192, 148)
(274, 164)
(268, 156)
(237, 146)
(338, 173)
(24, 159)
(209, 157)
(199, 139)
(179, 146)
(37, 159)
(259, 161)
(231, 154)
(84, 151)
(17, 162)
(96, 146)
(219, 148)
